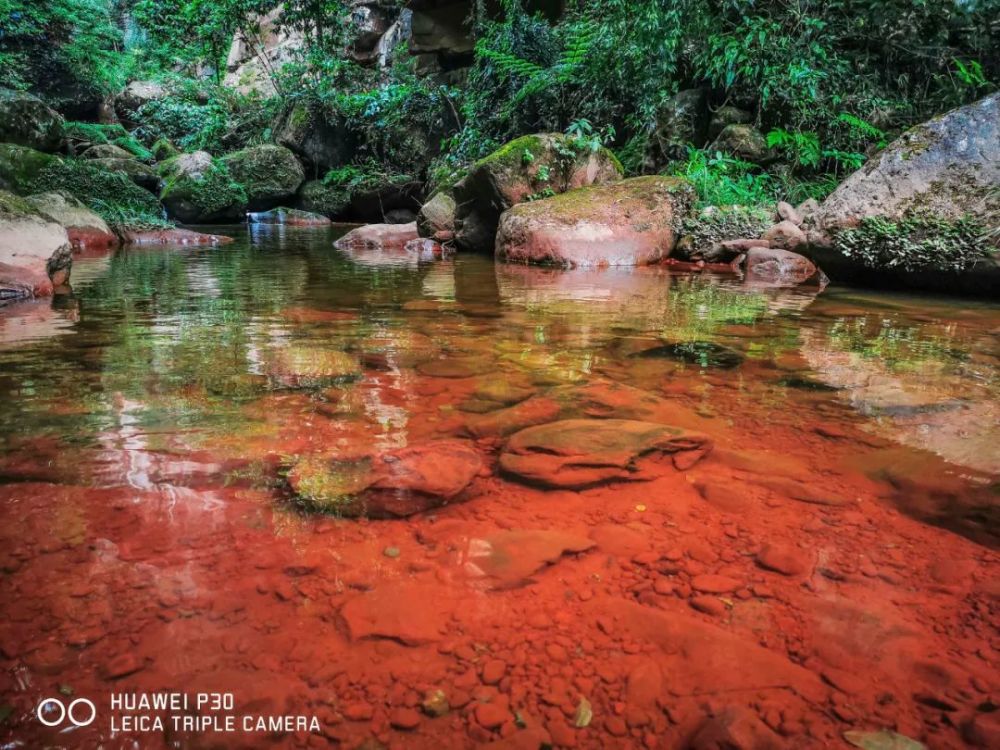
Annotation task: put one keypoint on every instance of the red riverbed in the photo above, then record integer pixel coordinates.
(779, 593)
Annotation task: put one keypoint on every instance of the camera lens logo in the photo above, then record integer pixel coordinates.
(77, 712)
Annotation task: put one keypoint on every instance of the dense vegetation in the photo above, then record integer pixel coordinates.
(826, 81)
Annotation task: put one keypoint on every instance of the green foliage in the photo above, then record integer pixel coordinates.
(212, 190)
(58, 44)
(112, 195)
(343, 183)
(915, 243)
(201, 116)
(722, 180)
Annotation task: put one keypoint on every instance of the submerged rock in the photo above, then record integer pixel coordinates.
(773, 267)
(378, 236)
(26, 120)
(628, 223)
(511, 558)
(701, 353)
(172, 237)
(396, 483)
(525, 167)
(83, 226)
(406, 611)
(577, 453)
(302, 366)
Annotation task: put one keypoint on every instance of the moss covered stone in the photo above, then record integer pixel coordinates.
(198, 188)
(20, 165)
(27, 121)
(270, 175)
(527, 168)
(702, 235)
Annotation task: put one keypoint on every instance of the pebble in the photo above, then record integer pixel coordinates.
(492, 716)
(404, 718)
(714, 584)
(783, 559)
(710, 605)
(493, 671)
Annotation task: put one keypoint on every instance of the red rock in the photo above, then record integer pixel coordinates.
(784, 559)
(121, 666)
(577, 453)
(358, 712)
(714, 584)
(776, 267)
(511, 558)
(492, 716)
(378, 236)
(410, 612)
(735, 728)
(626, 223)
(785, 235)
(493, 671)
(710, 605)
(404, 718)
(173, 237)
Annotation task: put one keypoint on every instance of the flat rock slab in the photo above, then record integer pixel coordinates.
(577, 453)
(378, 236)
(405, 611)
(511, 558)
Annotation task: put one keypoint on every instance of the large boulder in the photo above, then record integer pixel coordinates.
(577, 453)
(744, 142)
(921, 212)
(84, 227)
(629, 223)
(27, 121)
(323, 141)
(270, 175)
(527, 167)
(198, 188)
(136, 95)
(20, 167)
(397, 483)
(35, 252)
(141, 174)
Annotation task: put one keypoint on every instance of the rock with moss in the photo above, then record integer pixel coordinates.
(106, 151)
(628, 223)
(322, 140)
(163, 149)
(725, 116)
(708, 236)
(529, 167)
(35, 252)
(371, 195)
(436, 219)
(925, 212)
(28, 121)
(85, 228)
(743, 142)
(318, 197)
(199, 189)
(20, 165)
(141, 174)
(136, 95)
(391, 484)
(111, 194)
(270, 175)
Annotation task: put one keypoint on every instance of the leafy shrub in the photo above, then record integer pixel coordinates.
(915, 243)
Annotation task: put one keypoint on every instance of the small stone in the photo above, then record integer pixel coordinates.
(435, 703)
(714, 584)
(493, 671)
(786, 212)
(404, 718)
(785, 235)
(784, 559)
(710, 605)
(492, 716)
(121, 666)
(392, 552)
(358, 712)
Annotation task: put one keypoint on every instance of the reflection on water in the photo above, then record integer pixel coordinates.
(151, 420)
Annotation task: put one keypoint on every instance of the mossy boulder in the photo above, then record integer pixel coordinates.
(318, 197)
(35, 252)
(360, 193)
(529, 167)
(163, 149)
(628, 223)
(20, 165)
(28, 121)
(270, 175)
(198, 188)
(81, 136)
(141, 174)
(705, 237)
(925, 212)
(106, 151)
(322, 140)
